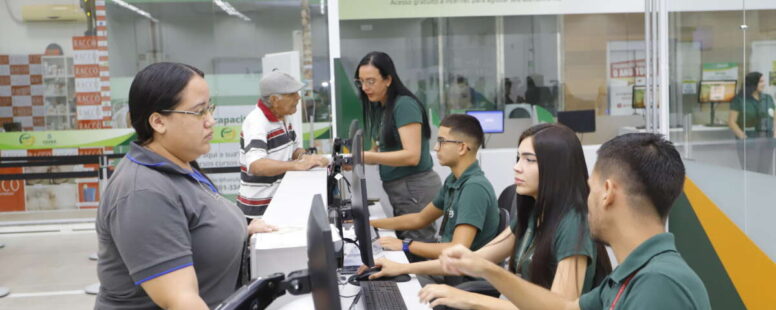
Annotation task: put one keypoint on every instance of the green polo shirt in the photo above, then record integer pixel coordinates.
(568, 242)
(662, 280)
(758, 115)
(471, 200)
(406, 111)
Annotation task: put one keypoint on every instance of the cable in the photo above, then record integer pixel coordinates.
(355, 300)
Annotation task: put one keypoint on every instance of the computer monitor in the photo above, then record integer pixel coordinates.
(638, 97)
(359, 204)
(717, 91)
(491, 121)
(321, 263)
(579, 121)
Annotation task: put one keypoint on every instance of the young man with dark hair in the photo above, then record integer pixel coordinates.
(466, 200)
(633, 185)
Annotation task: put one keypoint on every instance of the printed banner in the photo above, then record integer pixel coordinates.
(627, 71)
(65, 139)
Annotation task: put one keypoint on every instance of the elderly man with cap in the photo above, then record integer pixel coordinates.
(269, 146)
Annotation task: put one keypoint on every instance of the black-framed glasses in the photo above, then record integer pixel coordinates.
(368, 82)
(209, 109)
(440, 141)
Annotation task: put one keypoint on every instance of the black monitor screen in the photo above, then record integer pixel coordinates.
(578, 121)
(321, 263)
(359, 203)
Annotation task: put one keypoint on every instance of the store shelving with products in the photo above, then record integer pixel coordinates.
(59, 92)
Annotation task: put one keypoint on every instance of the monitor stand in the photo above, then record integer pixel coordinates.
(711, 120)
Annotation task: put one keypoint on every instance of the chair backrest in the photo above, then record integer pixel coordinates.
(506, 199)
(503, 219)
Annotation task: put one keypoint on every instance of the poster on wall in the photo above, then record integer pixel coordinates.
(763, 60)
(625, 68)
(225, 147)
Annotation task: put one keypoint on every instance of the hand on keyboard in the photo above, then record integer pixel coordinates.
(440, 294)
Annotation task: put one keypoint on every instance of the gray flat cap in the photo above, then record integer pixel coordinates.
(276, 82)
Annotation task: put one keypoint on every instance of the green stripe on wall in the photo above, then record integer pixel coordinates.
(695, 247)
(348, 103)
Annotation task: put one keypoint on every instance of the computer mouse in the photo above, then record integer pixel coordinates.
(365, 277)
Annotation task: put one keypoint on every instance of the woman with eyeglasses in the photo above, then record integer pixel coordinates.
(548, 243)
(398, 125)
(167, 239)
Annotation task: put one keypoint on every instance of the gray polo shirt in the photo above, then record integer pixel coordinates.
(155, 218)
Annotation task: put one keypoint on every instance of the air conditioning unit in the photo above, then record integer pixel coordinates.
(53, 12)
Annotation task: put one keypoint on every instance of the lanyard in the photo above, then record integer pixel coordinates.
(622, 289)
(526, 240)
(447, 207)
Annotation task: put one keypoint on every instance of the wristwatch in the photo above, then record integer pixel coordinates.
(405, 245)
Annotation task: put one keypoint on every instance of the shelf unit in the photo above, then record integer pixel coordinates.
(59, 92)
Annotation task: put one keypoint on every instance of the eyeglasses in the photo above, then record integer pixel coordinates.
(440, 141)
(209, 109)
(368, 82)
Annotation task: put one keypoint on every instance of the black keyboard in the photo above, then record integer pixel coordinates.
(382, 295)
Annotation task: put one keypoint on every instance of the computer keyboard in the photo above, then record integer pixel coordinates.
(382, 295)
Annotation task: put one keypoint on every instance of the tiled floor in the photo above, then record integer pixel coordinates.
(47, 270)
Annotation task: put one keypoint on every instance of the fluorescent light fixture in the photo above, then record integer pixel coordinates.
(229, 9)
(135, 9)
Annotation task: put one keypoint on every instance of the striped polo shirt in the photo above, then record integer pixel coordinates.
(263, 136)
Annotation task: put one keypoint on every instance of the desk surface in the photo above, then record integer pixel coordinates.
(291, 204)
(409, 292)
(283, 250)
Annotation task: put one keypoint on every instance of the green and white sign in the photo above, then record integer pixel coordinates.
(31, 140)
(720, 71)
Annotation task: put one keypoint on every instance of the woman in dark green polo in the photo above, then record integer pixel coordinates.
(549, 244)
(398, 124)
(751, 120)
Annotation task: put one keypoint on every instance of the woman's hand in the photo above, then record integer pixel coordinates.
(369, 158)
(441, 294)
(259, 226)
(460, 260)
(391, 243)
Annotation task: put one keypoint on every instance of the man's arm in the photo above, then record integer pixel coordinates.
(270, 167)
(464, 235)
(411, 221)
